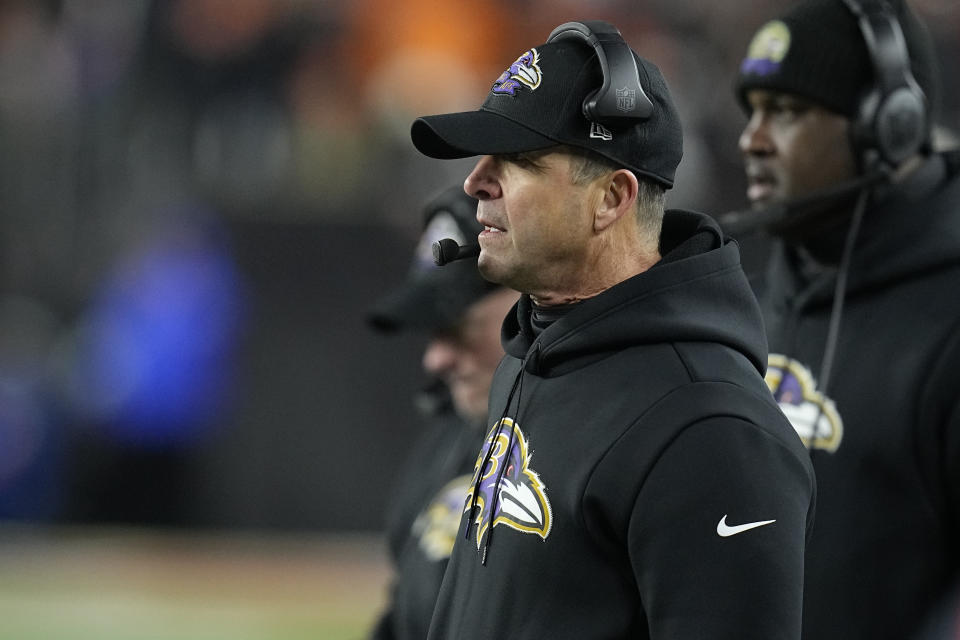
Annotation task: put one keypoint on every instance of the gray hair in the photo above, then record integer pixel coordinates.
(587, 165)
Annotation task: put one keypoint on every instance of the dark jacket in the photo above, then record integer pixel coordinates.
(887, 451)
(635, 428)
(422, 519)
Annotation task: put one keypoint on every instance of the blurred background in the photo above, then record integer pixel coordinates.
(199, 200)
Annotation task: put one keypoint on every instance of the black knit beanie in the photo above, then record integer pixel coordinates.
(816, 50)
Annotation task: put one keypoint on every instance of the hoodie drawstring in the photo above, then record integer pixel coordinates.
(836, 313)
(515, 389)
(518, 384)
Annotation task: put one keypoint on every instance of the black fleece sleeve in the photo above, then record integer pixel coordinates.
(718, 532)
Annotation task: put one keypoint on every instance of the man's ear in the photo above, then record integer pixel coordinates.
(620, 194)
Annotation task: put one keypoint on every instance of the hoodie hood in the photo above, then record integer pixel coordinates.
(915, 229)
(697, 292)
(912, 228)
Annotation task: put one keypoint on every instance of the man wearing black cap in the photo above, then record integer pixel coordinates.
(861, 299)
(637, 480)
(462, 313)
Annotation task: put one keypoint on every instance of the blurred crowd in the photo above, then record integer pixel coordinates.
(159, 159)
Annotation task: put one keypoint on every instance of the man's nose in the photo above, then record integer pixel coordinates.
(483, 182)
(755, 138)
(439, 356)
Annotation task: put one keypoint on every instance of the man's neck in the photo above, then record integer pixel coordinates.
(595, 277)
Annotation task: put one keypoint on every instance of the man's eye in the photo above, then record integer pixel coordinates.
(523, 160)
(789, 109)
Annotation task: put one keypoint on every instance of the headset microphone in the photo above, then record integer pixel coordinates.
(780, 218)
(447, 250)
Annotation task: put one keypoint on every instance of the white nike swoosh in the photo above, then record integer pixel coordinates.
(724, 530)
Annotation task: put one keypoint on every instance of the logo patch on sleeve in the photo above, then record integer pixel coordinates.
(521, 502)
(813, 416)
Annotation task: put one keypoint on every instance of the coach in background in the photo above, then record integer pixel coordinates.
(461, 313)
(861, 299)
(637, 480)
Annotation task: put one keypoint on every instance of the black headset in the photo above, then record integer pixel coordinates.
(891, 123)
(621, 97)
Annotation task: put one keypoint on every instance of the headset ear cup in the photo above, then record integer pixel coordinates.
(891, 123)
(900, 125)
(619, 69)
(890, 128)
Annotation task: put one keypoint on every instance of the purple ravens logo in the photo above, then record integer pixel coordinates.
(814, 417)
(525, 71)
(437, 525)
(522, 502)
(767, 49)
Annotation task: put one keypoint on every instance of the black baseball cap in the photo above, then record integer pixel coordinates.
(537, 103)
(434, 298)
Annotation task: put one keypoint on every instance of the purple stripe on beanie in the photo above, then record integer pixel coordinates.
(759, 66)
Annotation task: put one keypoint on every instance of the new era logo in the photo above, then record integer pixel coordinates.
(600, 132)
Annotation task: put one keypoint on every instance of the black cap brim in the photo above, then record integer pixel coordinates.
(473, 133)
(432, 302)
(410, 307)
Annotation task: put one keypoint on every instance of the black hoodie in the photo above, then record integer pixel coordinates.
(422, 517)
(887, 448)
(644, 484)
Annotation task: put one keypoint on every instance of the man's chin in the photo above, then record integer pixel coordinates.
(762, 194)
(469, 406)
(762, 203)
(489, 269)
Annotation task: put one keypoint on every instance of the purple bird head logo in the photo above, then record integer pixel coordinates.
(521, 502)
(525, 71)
